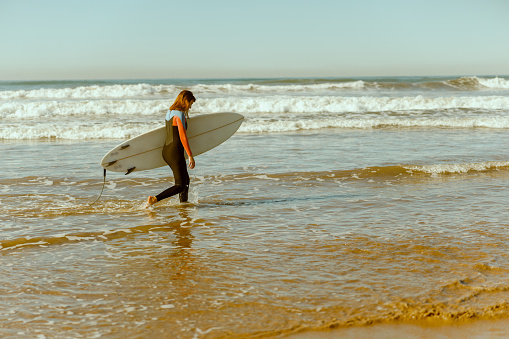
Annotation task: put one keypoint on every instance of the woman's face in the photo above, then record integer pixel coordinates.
(191, 104)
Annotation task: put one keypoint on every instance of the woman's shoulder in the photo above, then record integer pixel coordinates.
(173, 113)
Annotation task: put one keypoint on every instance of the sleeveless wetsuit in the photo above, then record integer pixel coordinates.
(173, 154)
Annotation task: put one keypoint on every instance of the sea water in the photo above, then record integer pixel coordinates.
(338, 202)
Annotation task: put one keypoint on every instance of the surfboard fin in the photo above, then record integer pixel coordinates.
(124, 147)
(111, 163)
(130, 170)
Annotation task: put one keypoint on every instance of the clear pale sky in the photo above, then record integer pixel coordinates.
(117, 39)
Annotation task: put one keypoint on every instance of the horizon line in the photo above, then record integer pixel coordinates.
(256, 78)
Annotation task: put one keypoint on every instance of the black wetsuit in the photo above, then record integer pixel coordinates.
(173, 154)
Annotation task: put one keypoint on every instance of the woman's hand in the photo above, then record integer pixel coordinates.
(191, 162)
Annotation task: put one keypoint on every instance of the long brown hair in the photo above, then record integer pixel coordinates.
(183, 102)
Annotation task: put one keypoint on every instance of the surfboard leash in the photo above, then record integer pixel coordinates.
(104, 183)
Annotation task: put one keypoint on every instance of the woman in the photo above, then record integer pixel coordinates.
(174, 146)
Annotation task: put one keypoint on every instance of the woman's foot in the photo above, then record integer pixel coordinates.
(150, 201)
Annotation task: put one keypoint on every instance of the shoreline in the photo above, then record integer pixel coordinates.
(424, 329)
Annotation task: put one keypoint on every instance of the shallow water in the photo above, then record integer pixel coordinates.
(282, 232)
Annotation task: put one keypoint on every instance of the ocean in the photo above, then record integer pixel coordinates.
(339, 202)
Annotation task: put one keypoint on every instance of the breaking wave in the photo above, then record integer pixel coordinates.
(319, 87)
(460, 168)
(107, 110)
(475, 83)
(79, 130)
(242, 105)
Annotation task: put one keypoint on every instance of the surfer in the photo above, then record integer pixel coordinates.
(174, 146)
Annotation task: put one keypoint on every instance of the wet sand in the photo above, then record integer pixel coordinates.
(480, 329)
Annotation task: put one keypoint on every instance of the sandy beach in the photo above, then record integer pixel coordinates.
(480, 329)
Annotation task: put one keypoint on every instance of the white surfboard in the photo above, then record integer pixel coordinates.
(144, 151)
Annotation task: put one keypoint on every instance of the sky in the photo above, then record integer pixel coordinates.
(141, 39)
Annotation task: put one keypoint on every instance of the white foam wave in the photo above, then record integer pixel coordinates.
(246, 105)
(125, 128)
(76, 131)
(91, 92)
(459, 168)
(328, 104)
(267, 89)
(496, 82)
(269, 126)
(144, 90)
(475, 83)
(44, 109)
(147, 90)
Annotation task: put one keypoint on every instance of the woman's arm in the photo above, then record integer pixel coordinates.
(184, 141)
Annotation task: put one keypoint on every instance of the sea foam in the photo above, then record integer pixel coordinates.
(144, 90)
(124, 129)
(119, 111)
(150, 91)
(459, 168)
(245, 105)
(494, 83)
